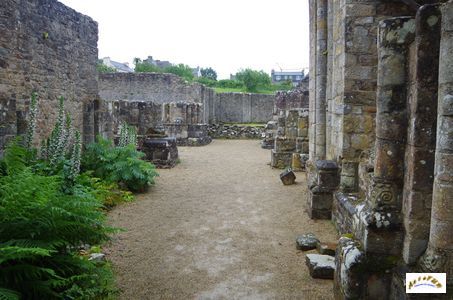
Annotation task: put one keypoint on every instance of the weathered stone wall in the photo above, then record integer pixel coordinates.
(439, 255)
(166, 88)
(294, 99)
(384, 74)
(154, 87)
(223, 131)
(243, 108)
(50, 49)
(141, 114)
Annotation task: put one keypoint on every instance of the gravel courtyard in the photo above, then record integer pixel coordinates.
(220, 225)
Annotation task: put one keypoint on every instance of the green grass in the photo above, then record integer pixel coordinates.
(241, 90)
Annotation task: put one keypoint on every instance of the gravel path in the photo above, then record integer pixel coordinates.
(220, 225)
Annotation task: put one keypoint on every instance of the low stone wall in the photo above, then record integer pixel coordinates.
(243, 107)
(188, 134)
(143, 115)
(179, 120)
(221, 131)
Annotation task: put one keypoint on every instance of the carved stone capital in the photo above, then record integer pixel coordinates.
(382, 194)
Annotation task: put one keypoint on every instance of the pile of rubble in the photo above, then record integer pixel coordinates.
(223, 131)
(321, 264)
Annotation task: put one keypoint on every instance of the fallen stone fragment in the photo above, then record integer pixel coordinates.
(320, 266)
(288, 177)
(97, 257)
(326, 248)
(306, 242)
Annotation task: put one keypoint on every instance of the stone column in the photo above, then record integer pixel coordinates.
(383, 234)
(321, 79)
(329, 71)
(391, 117)
(421, 143)
(312, 78)
(439, 256)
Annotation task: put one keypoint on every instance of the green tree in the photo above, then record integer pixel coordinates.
(144, 67)
(103, 68)
(208, 73)
(253, 80)
(181, 70)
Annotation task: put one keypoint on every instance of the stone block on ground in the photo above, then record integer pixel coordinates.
(97, 257)
(162, 152)
(283, 144)
(306, 242)
(281, 160)
(288, 177)
(320, 266)
(326, 248)
(296, 162)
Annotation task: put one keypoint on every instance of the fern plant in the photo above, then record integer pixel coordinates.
(119, 164)
(41, 229)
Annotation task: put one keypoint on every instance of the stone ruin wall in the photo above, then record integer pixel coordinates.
(377, 165)
(243, 108)
(287, 133)
(156, 88)
(47, 48)
(192, 102)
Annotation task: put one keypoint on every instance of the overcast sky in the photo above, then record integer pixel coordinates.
(226, 35)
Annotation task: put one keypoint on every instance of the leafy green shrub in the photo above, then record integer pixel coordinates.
(118, 164)
(41, 230)
(109, 193)
(206, 81)
(208, 73)
(103, 68)
(144, 67)
(181, 70)
(253, 80)
(227, 83)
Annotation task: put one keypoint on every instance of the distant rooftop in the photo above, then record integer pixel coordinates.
(119, 67)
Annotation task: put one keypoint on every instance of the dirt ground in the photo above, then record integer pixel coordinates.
(220, 225)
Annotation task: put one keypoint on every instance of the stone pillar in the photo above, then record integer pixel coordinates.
(391, 117)
(421, 143)
(323, 180)
(329, 76)
(439, 256)
(383, 233)
(312, 79)
(321, 79)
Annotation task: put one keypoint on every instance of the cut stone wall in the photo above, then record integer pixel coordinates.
(47, 48)
(387, 64)
(166, 88)
(155, 87)
(287, 132)
(243, 108)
